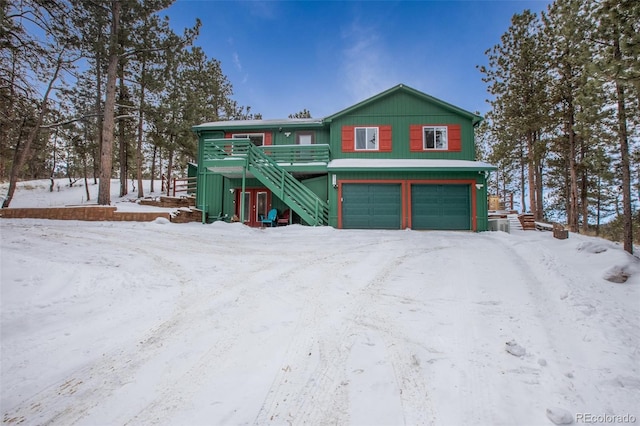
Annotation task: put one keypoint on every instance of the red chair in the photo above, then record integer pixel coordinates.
(284, 219)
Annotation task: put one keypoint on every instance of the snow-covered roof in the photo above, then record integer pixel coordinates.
(364, 163)
(259, 123)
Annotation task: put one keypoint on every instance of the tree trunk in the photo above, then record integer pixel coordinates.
(539, 192)
(522, 188)
(53, 161)
(530, 173)
(99, 118)
(169, 167)
(153, 167)
(567, 191)
(84, 165)
(627, 239)
(122, 142)
(584, 202)
(106, 152)
(573, 175)
(140, 131)
(598, 201)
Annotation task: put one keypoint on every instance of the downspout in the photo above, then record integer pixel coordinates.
(244, 178)
(204, 196)
(224, 195)
(202, 176)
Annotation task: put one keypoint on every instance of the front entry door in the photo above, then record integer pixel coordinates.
(256, 204)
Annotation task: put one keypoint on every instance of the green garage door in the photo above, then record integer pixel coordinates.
(371, 206)
(440, 207)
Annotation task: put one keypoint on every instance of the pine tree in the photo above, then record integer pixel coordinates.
(517, 79)
(301, 114)
(618, 62)
(108, 121)
(46, 59)
(568, 28)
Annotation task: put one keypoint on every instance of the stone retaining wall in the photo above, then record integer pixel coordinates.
(91, 213)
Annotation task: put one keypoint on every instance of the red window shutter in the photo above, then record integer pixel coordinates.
(415, 138)
(455, 138)
(268, 138)
(385, 139)
(348, 142)
(228, 135)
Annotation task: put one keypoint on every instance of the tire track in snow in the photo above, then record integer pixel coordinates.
(562, 288)
(71, 399)
(200, 372)
(413, 391)
(315, 389)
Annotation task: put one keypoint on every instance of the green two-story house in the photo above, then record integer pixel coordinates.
(400, 159)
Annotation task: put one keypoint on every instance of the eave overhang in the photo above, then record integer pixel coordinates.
(392, 165)
(253, 125)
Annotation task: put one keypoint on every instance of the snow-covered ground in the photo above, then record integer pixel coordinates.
(187, 324)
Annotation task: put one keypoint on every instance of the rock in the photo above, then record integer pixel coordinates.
(616, 275)
(559, 416)
(514, 349)
(592, 247)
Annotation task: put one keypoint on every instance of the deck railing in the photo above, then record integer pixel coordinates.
(215, 149)
(296, 154)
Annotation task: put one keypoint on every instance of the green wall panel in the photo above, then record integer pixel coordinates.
(400, 111)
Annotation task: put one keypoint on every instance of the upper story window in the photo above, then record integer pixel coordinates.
(372, 139)
(435, 137)
(366, 138)
(256, 138)
(305, 138)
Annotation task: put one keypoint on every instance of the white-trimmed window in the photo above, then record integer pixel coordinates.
(366, 138)
(256, 138)
(305, 138)
(434, 137)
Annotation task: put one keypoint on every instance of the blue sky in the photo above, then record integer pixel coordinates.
(284, 56)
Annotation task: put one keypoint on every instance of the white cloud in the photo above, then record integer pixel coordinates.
(366, 67)
(236, 61)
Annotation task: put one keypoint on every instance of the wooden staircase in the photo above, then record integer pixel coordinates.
(528, 221)
(514, 222)
(303, 201)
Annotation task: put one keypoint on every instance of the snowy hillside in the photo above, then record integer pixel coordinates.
(188, 324)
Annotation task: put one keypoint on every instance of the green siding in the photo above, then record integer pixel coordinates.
(318, 185)
(400, 111)
(208, 185)
(280, 138)
(207, 193)
(192, 170)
